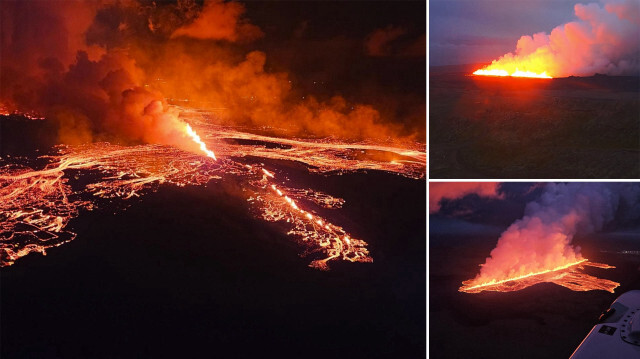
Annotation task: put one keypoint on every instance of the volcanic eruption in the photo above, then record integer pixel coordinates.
(603, 39)
(144, 94)
(538, 248)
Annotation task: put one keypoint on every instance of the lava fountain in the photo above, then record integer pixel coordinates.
(203, 147)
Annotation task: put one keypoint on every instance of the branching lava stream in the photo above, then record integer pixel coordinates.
(36, 205)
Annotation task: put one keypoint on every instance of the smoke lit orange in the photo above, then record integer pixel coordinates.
(602, 39)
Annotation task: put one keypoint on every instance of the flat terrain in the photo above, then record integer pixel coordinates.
(487, 127)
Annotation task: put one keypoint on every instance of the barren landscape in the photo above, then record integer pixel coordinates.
(493, 127)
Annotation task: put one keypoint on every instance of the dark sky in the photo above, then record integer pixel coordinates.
(467, 31)
(327, 19)
(479, 215)
(366, 51)
(472, 214)
(328, 42)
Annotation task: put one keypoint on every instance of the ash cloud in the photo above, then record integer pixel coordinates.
(103, 70)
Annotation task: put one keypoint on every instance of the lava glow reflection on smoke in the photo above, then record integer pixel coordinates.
(36, 205)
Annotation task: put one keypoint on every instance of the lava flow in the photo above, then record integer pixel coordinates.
(38, 202)
(568, 275)
(310, 228)
(489, 71)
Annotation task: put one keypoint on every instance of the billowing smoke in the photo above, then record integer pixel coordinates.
(220, 21)
(94, 92)
(454, 190)
(104, 71)
(604, 39)
(541, 240)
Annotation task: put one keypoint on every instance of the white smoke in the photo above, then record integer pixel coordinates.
(605, 39)
(542, 238)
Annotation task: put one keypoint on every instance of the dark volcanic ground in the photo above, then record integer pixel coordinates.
(189, 272)
(542, 321)
(486, 127)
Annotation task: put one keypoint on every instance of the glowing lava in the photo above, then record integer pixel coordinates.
(568, 275)
(194, 136)
(488, 71)
(37, 202)
(310, 228)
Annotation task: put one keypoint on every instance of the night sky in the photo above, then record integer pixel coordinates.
(368, 51)
(486, 215)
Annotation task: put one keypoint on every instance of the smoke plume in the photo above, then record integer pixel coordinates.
(108, 70)
(541, 240)
(220, 21)
(604, 39)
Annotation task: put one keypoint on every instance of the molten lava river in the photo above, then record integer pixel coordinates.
(38, 202)
(569, 275)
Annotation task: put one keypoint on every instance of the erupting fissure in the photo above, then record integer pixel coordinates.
(569, 275)
(537, 248)
(470, 284)
(488, 71)
(194, 136)
(602, 39)
(38, 204)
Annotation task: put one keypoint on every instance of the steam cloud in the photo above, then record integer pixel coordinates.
(604, 39)
(454, 190)
(541, 240)
(103, 70)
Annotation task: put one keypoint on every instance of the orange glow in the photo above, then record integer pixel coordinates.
(194, 136)
(467, 284)
(332, 238)
(36, 205)
(542, 75)
(489, 71)
(32, 115)
(567, 275)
